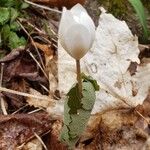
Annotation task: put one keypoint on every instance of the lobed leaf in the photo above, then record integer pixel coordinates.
(4, 15)
(13, 14)
(77, 112)
(15, 41)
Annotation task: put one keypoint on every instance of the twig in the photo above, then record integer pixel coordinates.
(43, 7)
(45, 88)
(2, 100)
(31, 25)
(37, 63)
(142, 116)
(23, 94)
(32, 41)
(3, 107)
(36, 110)
(40, 140)
(79, 78)
(20, 109)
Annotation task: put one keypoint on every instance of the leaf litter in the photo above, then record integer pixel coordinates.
(114, 126)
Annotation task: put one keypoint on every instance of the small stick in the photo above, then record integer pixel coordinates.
(34, 111)
(32, 41)
(24, 94)
(40, 140)
(43, 7)
(143, 117)
(37, 63)
(2, 100)
(79, 78)
(20, 109)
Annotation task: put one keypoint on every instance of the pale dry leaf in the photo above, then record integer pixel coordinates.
(34, 144)
(115, 48)
(39, 102)
(56, 111)
(52, 107)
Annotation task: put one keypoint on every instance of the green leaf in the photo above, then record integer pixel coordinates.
(13, 14)
(4, 15)
(89, 96)
(14, 26)
(74, 102)
(15, 41)
(24, 5)
(90, 79)
(5, 33)
(11, 3)
(77, 111)
(7, 3)
(138, 6)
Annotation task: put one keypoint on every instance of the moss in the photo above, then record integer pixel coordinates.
(117, 7)
(121, 8)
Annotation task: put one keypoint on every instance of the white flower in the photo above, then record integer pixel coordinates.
(76, 31)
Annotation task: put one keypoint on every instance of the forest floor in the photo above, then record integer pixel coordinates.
(30, 73)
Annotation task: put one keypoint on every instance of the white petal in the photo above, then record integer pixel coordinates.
(78, 9)
(77, 41)
(65, 22)
(81, 16)
(86, 20)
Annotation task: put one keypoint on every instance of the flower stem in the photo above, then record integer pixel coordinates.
(79, 78)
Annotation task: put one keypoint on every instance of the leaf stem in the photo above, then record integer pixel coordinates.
(79, 78)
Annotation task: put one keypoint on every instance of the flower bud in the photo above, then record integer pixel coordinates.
(76, 31)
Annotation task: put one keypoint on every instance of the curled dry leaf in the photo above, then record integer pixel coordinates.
(108, 61)
(20, 128)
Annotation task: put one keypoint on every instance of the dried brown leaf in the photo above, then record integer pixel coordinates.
(18, 65)
(15, 100)
(59, 3)
(52, 139)
(115, 129)
(12, 55)
(20, 128)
